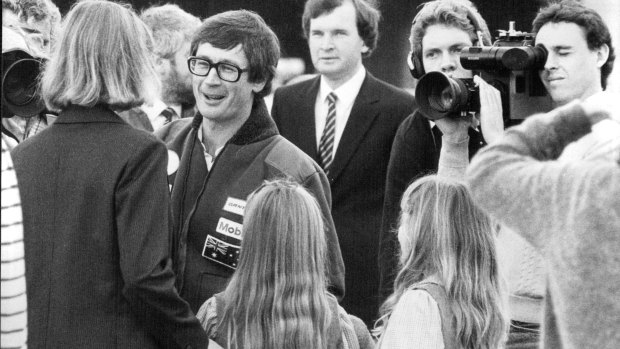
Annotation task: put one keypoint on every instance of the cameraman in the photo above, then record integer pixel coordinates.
(579, 62)
(580, 54)
(439, 31)
(16, 128)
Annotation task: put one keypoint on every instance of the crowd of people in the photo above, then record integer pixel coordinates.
(156, 201)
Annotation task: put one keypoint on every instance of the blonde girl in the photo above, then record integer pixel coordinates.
(277, 297)
(448, 292)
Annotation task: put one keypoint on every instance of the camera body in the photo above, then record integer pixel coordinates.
(511, 65)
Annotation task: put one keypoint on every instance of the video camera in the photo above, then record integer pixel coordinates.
(511, 65)
(20, 74)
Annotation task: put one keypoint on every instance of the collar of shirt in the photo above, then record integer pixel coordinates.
(177, 108)
(153, 112)
(346, 94)
(209, 159)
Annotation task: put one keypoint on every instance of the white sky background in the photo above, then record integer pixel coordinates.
(610, 11)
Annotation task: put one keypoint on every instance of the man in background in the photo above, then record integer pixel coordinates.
(172, 30)
(346, 119)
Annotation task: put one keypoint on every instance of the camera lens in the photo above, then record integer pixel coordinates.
(20, 88)
(439, 96)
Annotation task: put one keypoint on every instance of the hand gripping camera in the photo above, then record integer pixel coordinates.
(510, 65)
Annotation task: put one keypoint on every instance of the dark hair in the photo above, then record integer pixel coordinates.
(596, 31)
(459, 14)
(367, 19)
(259, 43)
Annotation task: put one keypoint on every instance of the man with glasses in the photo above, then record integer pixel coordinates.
(229, 148)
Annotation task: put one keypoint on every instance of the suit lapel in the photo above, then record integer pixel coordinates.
(305, 136)
(362, 116)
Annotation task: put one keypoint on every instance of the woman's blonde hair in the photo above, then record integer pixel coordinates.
(102, 57)
(277, 297)
(443, 233)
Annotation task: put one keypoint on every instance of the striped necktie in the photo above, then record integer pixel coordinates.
(169, 114)
(326, 145)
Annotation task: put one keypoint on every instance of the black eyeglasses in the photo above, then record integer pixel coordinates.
(226, 71)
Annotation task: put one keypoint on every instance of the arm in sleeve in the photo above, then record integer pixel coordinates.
(414, 323)
(207, 315)
(318, 185)
(518, 181)
(142, 204)
(453, 158)
(413, 155)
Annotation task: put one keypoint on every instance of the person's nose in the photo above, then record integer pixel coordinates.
(449, 62)
(552, 62)
(212, 78)
(327, 42)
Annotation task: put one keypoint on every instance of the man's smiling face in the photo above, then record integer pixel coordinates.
(222, 101)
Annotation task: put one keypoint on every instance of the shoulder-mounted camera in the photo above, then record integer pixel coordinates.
(510, 65)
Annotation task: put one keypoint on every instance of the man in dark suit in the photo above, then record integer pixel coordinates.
(346, 120)
(172, 30)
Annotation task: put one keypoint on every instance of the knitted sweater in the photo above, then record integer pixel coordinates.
(570, 212)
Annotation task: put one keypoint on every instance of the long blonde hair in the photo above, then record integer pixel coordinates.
(277, 297)
(102, 57)
(443, 233)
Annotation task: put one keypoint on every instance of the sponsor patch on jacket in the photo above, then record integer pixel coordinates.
(235, 206)
(221, 252)
(229, 228)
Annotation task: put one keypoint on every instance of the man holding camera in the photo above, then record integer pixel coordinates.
(23, 47)
(439, 32)
(580, 60)
(580, 55)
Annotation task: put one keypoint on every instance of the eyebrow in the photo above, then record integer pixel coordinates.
(227, 61)
(561, 47)
(460, 44)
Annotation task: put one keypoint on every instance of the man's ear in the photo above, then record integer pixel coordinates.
(602, 54)
(258, 86)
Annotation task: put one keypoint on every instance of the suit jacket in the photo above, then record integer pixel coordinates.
(356, 176)
(96, 229)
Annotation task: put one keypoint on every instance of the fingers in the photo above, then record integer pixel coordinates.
(491, 119)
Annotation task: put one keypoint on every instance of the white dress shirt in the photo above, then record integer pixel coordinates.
(346, 95)
(153, 111)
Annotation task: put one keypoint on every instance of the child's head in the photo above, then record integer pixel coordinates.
(277, 297)
(283, 236)
(442, 233)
